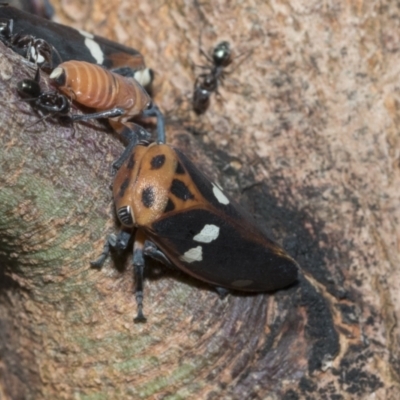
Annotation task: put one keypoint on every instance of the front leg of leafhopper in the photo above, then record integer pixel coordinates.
(115, 242)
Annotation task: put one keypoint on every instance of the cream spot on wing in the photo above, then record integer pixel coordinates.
(192, 255)
(207, 234)
(220, 195)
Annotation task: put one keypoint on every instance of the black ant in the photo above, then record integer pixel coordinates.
(207, 83)
(51, 102)
(36, 50)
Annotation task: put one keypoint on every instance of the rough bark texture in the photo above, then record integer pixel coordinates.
(304, 135)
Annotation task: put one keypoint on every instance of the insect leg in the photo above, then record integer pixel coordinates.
(133, 134)
(154, 111)
(128, 72)
(116, 242)
(138, 267)
(131, 131)
(222, 292)
(151, 250)
(201, 51)
(115, 112)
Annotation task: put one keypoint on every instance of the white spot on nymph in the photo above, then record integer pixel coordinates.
(56, 73)
(220, 195)
(192, 255)
(93, 47)
(143, 76)
(207, 234)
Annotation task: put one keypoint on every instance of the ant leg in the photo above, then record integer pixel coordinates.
(208, 58)
(203, 66)
(201, 76)
(245, 53)
(202, 52)
(60, 60)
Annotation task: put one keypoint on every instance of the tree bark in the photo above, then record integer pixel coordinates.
(304, 134)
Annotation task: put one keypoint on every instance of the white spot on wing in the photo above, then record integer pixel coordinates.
(93, 47)
(95, 50)
(207, 234)
(220, 195)
(192, 255)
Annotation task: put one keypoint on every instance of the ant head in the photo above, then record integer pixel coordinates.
(222, 54)
(54, 102)
(41, 52)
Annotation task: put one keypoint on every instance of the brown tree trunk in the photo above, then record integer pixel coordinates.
(304, 135)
